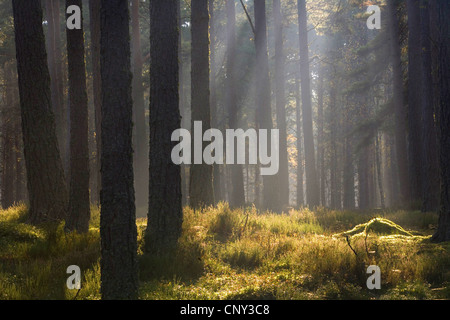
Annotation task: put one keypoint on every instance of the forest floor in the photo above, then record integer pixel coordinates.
(241, 254)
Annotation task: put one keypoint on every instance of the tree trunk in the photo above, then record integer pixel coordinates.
(79, 204)
(320, 137)
(141, 140)
(56, 78)
(201, 175)
(400, 112)
(237, 179)
(118, 232)
(218, 194)
(300, 196)
(443, 10)
(429, 153)
(414, 100)
(45, 175)
(271, 197)
(94, 15)
(312, 187)
(165, 215)
(280, 98)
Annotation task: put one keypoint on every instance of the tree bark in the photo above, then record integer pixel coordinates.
(414, 101)
(165, 215)
(79, 204)
(400, 112)
(443, 12)
(201, 188)
(118, 232)
(94, 15)
(55, 64)
(430, 162)
(45, 175)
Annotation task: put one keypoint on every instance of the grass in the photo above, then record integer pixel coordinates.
(241, 254)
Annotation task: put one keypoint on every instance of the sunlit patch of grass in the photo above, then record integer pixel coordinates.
(226, 253)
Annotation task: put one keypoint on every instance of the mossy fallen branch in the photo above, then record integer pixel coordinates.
(379, 226)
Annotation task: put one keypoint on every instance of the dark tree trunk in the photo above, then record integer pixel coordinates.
(430, 160)
(237, 179)
(201, 188)
(280, 98)
(141, 140)
(400, 112)
(94, 14)
(79, 204)
(414, 100)
(270, 196)
(45, 175)
(312, 187)
(165, 215)
(118, 232)
(443, 11)
(7, 135)
(56, 78)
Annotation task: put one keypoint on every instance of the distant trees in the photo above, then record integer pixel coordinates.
(45, 176)
(140, 130)
(118, 232)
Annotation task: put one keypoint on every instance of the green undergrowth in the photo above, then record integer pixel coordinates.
(228, 253)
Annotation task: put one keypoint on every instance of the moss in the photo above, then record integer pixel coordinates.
(379, 226)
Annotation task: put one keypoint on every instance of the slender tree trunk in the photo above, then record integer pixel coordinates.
(312, 187)
(280, 98)
(141, 140)
(213, 97)
(443, 12)
(237, 179)
(429, 153)
(378, 168)
(201, 175)
(300, 196)
(271, 197)
(320, 138)
(94, 15)
(79, 204)
(348, 179)
(45, 175)
(118, 232)
(165, 214)
(414, 100)
(400, 112)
